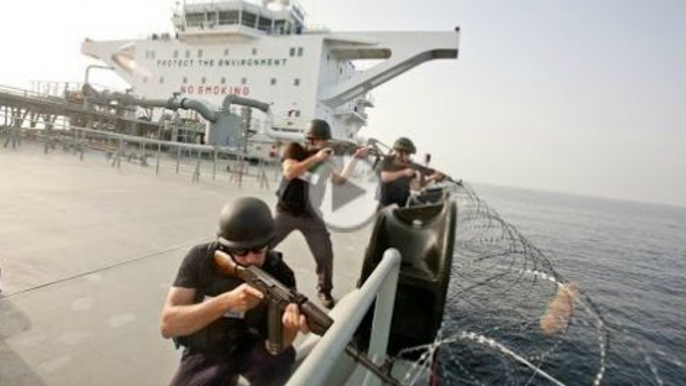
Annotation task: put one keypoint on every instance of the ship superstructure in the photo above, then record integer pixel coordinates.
(266, 52)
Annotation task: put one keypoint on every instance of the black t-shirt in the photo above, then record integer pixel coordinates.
(394, 192)
(198, 271)
(302, 196)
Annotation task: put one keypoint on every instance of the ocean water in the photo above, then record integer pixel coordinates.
(628, 260)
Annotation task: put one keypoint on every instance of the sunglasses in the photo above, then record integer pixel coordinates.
(244, 252)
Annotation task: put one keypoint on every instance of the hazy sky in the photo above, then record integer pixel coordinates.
(580, 96)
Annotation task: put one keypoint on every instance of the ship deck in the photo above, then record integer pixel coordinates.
(88, 254)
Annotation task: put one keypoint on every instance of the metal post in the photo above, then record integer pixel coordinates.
(159, 149)
(48, 134)
(120, 152)
(214, 164)
(262, 174)
(83, 142)
(196, 173)
(178, 158)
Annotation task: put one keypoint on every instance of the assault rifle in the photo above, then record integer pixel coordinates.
(427, 171)
(341, 147)
(375, 149)
(277, 296)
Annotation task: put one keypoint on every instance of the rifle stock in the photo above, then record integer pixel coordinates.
(277, 296)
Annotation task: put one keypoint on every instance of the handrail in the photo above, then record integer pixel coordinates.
(347, 315)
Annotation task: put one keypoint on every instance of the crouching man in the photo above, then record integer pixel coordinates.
(220, 320)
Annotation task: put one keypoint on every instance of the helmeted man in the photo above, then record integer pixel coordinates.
(399, 176)
(306, 168)
(220, 320)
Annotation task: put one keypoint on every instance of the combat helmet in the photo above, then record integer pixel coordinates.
(246, 223)
(404, 144)
(318, 129)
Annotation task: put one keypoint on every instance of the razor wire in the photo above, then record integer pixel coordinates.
(501, 283)
(502, 288)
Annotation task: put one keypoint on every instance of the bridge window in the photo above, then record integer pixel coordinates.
(280, 27)
(161, 79)
(226, 52)
(176, 54)
(188, 54)
(249, 19)
(195, 19)
(296, 82)
(273, 81)
(300, 51)
(212, 19)
(265, 24)
(244, 81)
(229, 17)
(200, 54)
(292, 51)
(203, 80)
(223, 81)
(185, 80)
(254, 51)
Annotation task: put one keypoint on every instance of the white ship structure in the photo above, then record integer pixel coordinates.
(266, 52)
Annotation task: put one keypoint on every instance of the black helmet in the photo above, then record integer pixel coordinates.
(318, 129)
(246, 223)
(404, 144)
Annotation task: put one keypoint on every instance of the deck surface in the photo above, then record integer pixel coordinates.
(88, 252)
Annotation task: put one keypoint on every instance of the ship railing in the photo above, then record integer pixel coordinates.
(325, 361)
(53, 91)
(17, 91)
(146, 151)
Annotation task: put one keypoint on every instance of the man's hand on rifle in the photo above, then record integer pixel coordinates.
(245, 297)
(409, 172)
(293, 322)
(323, 154)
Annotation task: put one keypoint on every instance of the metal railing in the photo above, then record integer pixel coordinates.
(320, 364)
(143, 150)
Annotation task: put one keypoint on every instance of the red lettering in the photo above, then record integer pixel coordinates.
(223, 91)
(246, 90)
(191, 89)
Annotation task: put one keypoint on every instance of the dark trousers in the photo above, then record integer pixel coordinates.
(318, 240)
(256, 365)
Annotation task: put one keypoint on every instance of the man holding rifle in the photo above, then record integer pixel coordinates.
(399, 174)
(222, 321)
(306, 169)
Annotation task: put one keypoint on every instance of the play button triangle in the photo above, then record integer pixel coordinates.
(342, 195)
